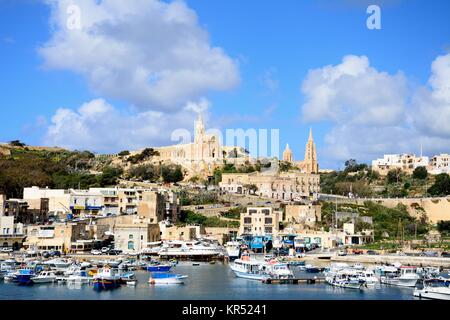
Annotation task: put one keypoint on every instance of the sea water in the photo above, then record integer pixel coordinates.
(205, 282)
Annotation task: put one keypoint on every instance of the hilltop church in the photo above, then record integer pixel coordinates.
(309, 164)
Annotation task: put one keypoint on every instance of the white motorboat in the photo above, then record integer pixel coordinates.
(249, 269)
(368, 276)
(402, 277)
(437, 289)
(44, 277)
(233, 249)
(166, 278)
(58, 264)
(79, 277)
(277, 270)
(345, 279)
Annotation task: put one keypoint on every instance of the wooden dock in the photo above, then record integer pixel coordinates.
(294, 281)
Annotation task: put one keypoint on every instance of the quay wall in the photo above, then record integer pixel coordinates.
(383, 259)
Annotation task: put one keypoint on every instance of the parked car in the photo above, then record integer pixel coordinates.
(429, 254)
(357, 251)
(445, 254)
(7, 250)
(96, 252)
(45, 254)
(372, 253)
(105, 250)
(55, 253)
(341, 253)
(114, 252)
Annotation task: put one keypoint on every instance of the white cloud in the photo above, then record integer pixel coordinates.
(354, 92)
(150, 53)
(371, 112)
(432, 103)
(97, 125)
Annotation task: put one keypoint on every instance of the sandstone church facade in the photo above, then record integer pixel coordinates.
(309, 164)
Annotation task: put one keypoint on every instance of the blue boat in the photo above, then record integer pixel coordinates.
(107, 279)
(159, 268)
(23, 277)
(166, 278)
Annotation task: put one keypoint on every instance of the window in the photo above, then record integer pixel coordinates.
(268, 229)
(268, 220)
(247, 220)
(130, 236)
(142, 237)
(266, 211)
(252, 211)
(130, 245)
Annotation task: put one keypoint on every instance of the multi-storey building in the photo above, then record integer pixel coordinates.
(404, 162)
(260, 221)
(283, 186)
(439, 164)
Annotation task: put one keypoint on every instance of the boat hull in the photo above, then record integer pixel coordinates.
(432, 294)
(43, 280)
(250, 276)
(159, 268)
(399, 282)
(106, 284)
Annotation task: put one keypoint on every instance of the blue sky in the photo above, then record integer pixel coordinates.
(273, 45)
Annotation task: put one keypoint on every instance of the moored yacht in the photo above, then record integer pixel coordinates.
(44, 277)
(402, 277)
(437, 289)
(233, 249)
(249, 269)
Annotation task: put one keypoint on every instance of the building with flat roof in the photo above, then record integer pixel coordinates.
(260, 221)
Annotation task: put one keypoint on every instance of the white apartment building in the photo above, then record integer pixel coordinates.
(440, 164)
(404, 162)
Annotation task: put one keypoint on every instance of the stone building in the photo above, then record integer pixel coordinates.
(133, 237)
(287, 154)
(260, 221)
(307, 214)
(291, 185)
(310, 163)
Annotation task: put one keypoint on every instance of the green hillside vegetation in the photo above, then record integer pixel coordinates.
(362, 181)
(59, 168)
(384, 219)
(192, 218)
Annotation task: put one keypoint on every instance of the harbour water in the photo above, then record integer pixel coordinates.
(206, 282)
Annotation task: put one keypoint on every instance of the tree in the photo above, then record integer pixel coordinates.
(441, 186)
(252, 188)
(109, 176)
(394, 176)
(144, 172)
(17, 143)
(420, 173)
(443, 226)
(172, 174)
(124, 153)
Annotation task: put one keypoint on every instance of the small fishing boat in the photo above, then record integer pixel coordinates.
(166, 278)
(437, 289)
(44, 277)
(196, 264)
(159, 267)
(24, 276)
(106, 278)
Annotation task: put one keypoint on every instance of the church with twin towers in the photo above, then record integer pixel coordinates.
(206, 153)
